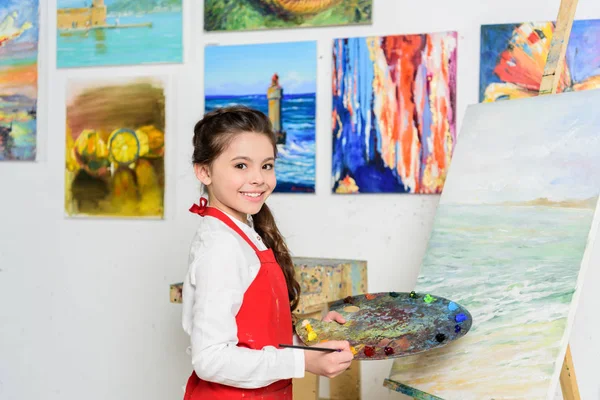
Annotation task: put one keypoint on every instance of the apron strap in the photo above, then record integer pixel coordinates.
(203, 211)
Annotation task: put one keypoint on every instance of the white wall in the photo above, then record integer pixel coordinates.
(84, 307)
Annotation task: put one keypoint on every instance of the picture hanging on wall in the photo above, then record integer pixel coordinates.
(393, 113)
(278, 79)
(19, 31)
(239, 15)
(118, 32)
(513, 58)
(115, 145)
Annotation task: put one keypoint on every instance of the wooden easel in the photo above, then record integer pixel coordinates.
(549, 84)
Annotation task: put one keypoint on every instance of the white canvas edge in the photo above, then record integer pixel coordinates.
(585, 262)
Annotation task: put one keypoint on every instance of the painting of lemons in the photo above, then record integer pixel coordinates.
(115, 145)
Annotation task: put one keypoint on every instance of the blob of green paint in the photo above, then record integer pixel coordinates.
(428, 298)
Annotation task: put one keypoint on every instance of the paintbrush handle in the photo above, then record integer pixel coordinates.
(289, 346)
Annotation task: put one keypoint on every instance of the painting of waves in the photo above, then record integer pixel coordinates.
(511, 242)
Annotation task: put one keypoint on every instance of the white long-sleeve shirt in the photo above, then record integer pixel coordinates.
(222, 265)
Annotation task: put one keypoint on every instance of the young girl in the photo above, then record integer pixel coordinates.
(240, 288)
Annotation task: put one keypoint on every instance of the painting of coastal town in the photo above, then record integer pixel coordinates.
(511, 242)
(19, 32)
(239, 15)
(118, 32)
(115, 144)
(278, 79)
(513, 58)
(394, 108)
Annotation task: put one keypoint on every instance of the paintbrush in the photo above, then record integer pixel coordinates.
(289, 346)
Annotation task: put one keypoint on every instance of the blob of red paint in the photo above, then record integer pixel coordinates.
(388, 350)
(369, 351)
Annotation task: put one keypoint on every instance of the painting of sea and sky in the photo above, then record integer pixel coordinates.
(279, 79)
(115, 144)
(513, 58)
(19, 31)
(509, 244)
(237, 15)
(118, 32)
(394, 113)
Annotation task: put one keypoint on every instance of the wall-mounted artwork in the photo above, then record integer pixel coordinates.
(19, 30)
(511, 241)
(118, 32)
(278, 79)
(513, 58)
(394, 113)
(115, 144)
(238, 15)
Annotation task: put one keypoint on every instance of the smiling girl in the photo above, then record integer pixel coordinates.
(240, 287)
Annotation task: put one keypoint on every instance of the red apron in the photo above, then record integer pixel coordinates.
(264, 319)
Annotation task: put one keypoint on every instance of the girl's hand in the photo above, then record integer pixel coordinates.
(331, 364)
(334, 316)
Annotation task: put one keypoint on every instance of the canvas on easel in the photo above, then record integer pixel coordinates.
(510, 242)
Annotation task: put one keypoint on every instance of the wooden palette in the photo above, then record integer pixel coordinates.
(390, 324)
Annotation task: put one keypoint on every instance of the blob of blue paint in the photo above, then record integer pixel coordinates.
(460, 317)
(452, 306)
(456, 328)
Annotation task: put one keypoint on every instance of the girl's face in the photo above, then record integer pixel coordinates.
(242, 177)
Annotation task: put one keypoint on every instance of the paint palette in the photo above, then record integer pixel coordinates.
(390, 324)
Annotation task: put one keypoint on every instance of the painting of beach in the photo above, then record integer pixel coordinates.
(115, 145)
(239, 15)
(394, 106)
(509, 244)
(278, 79)
(513, 57)
(19, 31)
(118, 32)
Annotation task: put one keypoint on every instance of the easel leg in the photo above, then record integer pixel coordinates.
(549, 85)
(568, 381)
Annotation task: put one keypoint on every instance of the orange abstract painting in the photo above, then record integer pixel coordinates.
(393, 113)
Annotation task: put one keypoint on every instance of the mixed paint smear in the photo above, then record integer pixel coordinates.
(393, 113)
(388, 325)
(19, 31)
(513, 57)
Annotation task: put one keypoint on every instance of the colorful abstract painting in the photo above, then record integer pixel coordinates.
(393, 113)
(278, 79)
(511, 241)
(238, 15)
(19, 31)
(513, 58)
(118, 32)
(115, 144)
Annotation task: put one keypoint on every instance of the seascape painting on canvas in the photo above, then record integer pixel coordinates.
(118, 32)
(278, 79)
(19, 31)
(115, 146)
(509, 244)
(394, 108)
(513, 58)
(240, 15)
